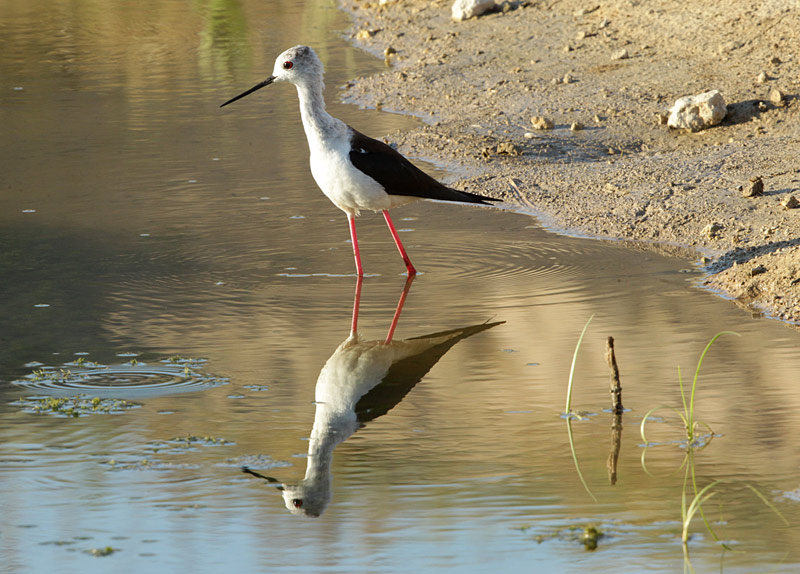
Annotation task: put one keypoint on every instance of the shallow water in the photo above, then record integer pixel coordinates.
(164, 252)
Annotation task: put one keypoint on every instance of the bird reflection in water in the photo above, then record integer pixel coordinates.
(361, 381)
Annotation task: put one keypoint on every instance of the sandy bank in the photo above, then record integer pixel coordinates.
(613, 67)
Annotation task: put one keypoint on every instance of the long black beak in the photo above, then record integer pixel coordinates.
(266, 82)
(269, 479)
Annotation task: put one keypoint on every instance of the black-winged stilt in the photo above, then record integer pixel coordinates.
(354, 171)
(361, 381)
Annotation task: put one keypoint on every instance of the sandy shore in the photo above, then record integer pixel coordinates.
(614, 67)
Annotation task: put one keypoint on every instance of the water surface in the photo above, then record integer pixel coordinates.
(164, 252)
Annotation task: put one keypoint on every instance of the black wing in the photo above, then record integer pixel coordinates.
(404, 374)
(398, 176)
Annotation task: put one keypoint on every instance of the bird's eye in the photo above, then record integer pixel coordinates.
(287, 65)
(297, 502)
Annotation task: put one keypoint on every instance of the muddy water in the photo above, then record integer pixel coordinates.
(160, 251)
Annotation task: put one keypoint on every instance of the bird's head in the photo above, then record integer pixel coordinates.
(298, 65)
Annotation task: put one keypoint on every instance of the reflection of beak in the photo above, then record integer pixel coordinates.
(266, 82)
(269, 479)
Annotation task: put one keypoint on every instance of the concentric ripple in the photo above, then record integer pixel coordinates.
(555, 270)
(121, 381)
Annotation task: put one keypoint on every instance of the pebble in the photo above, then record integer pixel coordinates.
(542, 123)
(587, 10)
(697, 112)
(757, 270)
(508, 148)
(576, 126)
(713, 229)
(620, 55)
(790, 202)
(465, 9)
(755, 188)
(776, 96)
(367, 34)
(762, 78)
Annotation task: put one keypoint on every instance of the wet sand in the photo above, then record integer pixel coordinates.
(625, 175)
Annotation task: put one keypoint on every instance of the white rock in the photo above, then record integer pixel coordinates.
(620, 55)
(697, 112)
(464, 9)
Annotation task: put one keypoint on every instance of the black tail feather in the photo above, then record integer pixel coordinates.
(467, 197)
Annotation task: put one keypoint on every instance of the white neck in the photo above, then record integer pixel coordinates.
(316, 121)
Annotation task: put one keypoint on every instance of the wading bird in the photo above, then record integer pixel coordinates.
(353, 170)
(362, 380)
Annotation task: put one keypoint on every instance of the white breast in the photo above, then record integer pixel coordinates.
(347, 187)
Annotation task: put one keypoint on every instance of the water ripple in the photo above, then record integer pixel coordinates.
(120, 381)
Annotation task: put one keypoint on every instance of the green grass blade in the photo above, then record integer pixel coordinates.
(572, 368)
(697, 370)
(575, 459)
(695, 506)
(771, 506)
(650, 412)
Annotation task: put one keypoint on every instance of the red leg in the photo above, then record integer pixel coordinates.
(352, 221)
(400, 303)
(400, 248)
(356, 304)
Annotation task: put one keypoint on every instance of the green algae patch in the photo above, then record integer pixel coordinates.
(100, 552)
(588, 535)
(79, 405)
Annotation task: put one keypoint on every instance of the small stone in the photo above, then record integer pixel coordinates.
(366, 34)
(697, 112)
(757, 270)
(588, 10)
(620, 55)
(661, 119)
(775, 60)
(712, 230)
(597, 119)
(576, 126)
(755, 189)
(776, 96)
(508, 148)
(542, 123)
(762, 78)
(790, 202)
(567, 78)
(465, 9)
(529, 135)
(604, 24)
(567, 48)
(389, 51)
